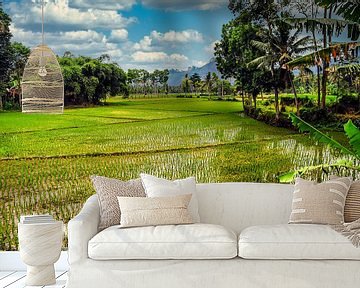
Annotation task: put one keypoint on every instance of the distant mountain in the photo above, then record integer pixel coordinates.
(176, 76)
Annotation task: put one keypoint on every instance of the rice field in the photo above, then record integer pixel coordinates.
(46, 160)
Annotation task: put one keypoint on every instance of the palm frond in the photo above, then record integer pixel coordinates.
(260, 61)
(265, 47)
(348, 68)
(318, 135)
(323, 53)
(349, 9)
(337, 25)
(302, 41)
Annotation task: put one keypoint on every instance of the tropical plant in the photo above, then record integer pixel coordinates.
(347, 16)
(186, 84)
(5, 53)
(352, 133)
(279, 47)
(196, 81)
(90, 80)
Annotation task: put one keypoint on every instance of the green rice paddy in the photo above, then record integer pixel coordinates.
(46, 160)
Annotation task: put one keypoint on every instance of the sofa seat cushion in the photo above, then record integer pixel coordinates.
(295, 241)
(192, 241)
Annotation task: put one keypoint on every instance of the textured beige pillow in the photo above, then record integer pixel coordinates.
(352, 203)
(138, 211)
(107, 190)
(320, 203)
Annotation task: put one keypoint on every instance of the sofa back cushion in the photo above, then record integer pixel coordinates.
(239, 205)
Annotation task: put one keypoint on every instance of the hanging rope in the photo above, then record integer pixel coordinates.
(42, 22)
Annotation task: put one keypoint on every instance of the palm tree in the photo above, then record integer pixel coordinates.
(349, 12)
(279, 47)
(208, 82)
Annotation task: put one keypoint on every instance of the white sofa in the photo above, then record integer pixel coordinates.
(249, 245)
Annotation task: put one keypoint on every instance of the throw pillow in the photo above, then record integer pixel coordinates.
(158, 187)
(319, 203)
(139, 211)
(352, 203)
(107, 190)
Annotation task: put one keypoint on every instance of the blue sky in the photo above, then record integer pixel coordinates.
(150, 34)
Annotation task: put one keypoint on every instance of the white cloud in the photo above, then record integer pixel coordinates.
(58, 12)
(144, 44)
(85, 42)
(198, 63)
(103, 4)
(119, 35)
(157, 39)
(179, 5)
(151, 57)
(211, 48)
(178, 36)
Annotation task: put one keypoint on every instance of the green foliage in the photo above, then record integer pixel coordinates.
(318, 135)
(142, 81)
(90, 80)
(351, 131)
(5, 52)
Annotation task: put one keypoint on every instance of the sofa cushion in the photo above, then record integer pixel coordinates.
(192, 241)
(300, 241)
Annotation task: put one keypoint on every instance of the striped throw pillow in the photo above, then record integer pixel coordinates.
(319, 203)
(352, 204)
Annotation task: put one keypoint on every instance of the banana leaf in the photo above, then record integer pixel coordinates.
(353, 133)
(318, 135)
(290, 176)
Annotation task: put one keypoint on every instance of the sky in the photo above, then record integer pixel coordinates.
(149, 34)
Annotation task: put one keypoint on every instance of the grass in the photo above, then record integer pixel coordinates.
(46, 160)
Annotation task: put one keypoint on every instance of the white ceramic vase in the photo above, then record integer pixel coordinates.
(40, 247)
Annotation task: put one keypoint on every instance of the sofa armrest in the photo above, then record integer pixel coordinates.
(82, 228)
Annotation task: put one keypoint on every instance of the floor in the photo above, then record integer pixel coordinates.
(16, 279)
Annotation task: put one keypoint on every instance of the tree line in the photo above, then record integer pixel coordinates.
(267, 40)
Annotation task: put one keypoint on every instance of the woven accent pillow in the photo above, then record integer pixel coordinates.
(352, 203)
(138, 211)
(319, 203)
(107, 190)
